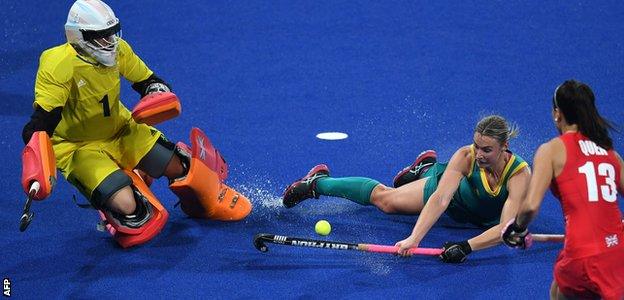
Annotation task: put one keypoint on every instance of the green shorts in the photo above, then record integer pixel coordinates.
(86, 164)
(456, 210)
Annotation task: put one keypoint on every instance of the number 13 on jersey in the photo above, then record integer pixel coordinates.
(608, 190)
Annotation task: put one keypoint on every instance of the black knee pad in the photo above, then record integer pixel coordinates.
(155, 162)
(108, 187)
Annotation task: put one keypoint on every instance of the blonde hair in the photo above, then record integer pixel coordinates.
(498, 128)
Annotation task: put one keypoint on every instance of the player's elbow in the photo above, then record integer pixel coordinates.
(440, 199)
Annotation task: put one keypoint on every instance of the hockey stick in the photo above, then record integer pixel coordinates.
(27, 215)
(261, 238)
(554, 238)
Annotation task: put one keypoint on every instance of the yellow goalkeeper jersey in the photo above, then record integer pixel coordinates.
(89, 94)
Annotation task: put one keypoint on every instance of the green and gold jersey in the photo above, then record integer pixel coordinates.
(483, 201)
(89, 94)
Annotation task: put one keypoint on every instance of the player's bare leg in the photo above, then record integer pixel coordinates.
(406, 199)
(122, 201)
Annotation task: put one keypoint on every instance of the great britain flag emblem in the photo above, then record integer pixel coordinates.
(611, 240)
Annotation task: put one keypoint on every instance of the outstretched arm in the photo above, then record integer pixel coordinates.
(543, 168)
(514, 232)
(457, 168)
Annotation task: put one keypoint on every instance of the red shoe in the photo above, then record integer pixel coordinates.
(304, 188)
(423, 162)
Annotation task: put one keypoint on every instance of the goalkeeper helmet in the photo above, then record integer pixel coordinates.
(94, 31)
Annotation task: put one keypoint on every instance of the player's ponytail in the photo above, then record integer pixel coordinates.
(576, 102)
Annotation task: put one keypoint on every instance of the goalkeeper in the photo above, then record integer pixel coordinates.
(97, 142)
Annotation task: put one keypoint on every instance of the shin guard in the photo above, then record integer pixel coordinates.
(149, 219)
(202, 192)
(210, 156)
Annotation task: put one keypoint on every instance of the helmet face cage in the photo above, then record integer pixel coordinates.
(102, 40)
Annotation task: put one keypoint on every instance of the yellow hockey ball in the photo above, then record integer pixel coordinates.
(322, 227)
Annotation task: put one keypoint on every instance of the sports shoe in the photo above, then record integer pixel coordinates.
(303, 188)
(423, 162)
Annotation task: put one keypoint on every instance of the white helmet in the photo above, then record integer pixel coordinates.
(93, 30)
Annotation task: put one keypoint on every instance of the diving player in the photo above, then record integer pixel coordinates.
(482, 184)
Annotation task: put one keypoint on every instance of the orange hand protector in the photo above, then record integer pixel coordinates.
(39, 164)
(156, 108)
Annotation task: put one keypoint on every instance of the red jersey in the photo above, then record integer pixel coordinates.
(587, 189)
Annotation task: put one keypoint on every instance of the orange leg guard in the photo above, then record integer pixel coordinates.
(201, 192)
(127, 236)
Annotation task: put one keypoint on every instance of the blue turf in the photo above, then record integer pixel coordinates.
(261, 78)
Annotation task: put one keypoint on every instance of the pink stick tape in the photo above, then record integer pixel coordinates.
(394, 249)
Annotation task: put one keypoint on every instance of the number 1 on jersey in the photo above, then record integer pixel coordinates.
(608, 190)
(105, 106)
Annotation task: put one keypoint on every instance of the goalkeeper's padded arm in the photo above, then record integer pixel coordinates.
(156, 108)
(42, 120)
(150, 85)
(39, 165)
